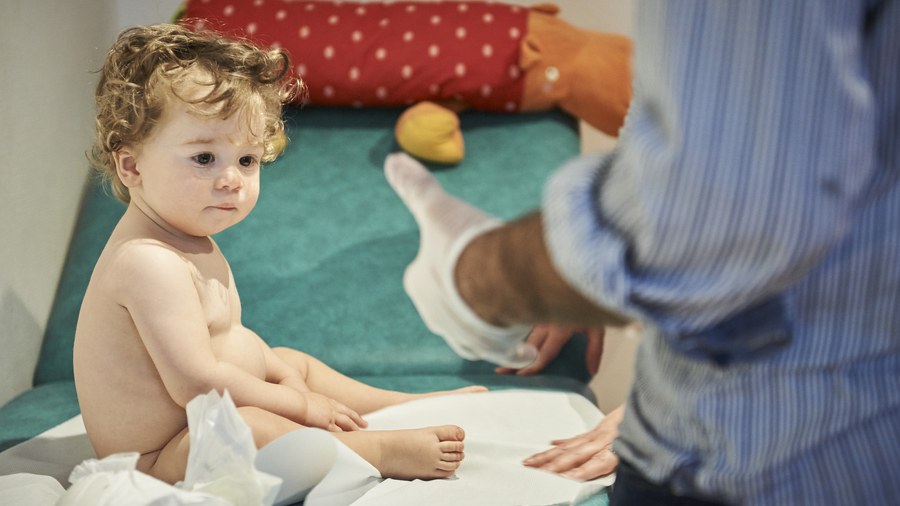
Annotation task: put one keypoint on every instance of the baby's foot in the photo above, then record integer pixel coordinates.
(419, 454)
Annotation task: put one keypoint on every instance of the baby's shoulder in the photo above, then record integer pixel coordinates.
(145, 253)
(125, 264)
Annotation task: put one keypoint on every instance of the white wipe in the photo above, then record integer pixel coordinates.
(221, 459)
(220, 469)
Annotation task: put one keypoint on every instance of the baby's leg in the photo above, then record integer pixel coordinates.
(415, 454)
(432, 452)
(357, 396)
(171, 462)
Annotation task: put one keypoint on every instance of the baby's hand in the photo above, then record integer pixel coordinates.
(329, 414)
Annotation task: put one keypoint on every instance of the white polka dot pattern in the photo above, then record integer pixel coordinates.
(386, 53)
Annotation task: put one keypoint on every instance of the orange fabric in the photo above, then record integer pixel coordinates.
(592, 76)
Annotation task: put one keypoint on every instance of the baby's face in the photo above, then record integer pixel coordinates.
(200, 176)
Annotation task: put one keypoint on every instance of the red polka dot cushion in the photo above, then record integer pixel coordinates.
(385, 54)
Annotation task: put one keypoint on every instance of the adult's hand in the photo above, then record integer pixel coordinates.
(479, 282)
(549, 339)
(586, 456)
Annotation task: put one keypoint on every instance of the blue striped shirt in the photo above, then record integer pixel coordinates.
(750, 216)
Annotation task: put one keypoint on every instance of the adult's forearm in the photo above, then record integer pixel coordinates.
(507, 277)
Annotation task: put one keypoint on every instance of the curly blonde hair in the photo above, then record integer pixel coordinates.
(147, 66)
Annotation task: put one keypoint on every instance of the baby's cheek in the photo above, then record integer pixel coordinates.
(251, 188)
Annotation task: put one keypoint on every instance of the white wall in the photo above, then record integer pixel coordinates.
(48, 50)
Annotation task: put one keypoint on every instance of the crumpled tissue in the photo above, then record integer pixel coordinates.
(220, 469)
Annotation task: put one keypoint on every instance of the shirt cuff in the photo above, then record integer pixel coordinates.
(585, 250)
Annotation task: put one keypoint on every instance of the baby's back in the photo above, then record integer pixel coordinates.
(123, 400)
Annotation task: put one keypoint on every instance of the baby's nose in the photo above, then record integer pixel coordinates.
(231, 179)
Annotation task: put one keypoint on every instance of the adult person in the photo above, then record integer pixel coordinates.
(750, 218)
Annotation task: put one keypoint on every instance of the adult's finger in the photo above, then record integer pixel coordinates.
(563, 460)
(600, 464)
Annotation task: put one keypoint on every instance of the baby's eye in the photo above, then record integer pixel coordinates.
(203, 158)
(246, 161)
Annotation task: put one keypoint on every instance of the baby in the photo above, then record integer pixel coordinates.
(184, 121)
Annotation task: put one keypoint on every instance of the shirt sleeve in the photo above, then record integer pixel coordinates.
(746, 149)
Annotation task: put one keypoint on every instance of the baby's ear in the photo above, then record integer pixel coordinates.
(126, 167)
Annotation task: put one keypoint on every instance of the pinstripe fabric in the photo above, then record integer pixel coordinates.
(750, 214)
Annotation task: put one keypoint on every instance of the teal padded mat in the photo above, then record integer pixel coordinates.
(319, 261)
(37, 410)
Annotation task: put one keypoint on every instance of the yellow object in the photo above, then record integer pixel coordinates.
(585, 73)
(431, 132)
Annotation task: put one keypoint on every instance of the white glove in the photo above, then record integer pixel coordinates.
(446, 226)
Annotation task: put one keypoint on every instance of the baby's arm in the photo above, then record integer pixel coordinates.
(322, 411)
(278, 371)
(155, 284)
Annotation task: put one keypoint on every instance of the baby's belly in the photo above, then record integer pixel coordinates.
(240, 347)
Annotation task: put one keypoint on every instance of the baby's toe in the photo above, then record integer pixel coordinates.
(453, 456)
(451, 447)
(450, 433)
(448, 467)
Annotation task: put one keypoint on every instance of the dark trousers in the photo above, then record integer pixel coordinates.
(632, 489)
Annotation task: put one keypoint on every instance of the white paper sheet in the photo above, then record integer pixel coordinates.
(25, 489)
(53, 453)
(502, 429)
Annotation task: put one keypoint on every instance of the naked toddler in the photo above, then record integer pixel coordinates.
(184, 121)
